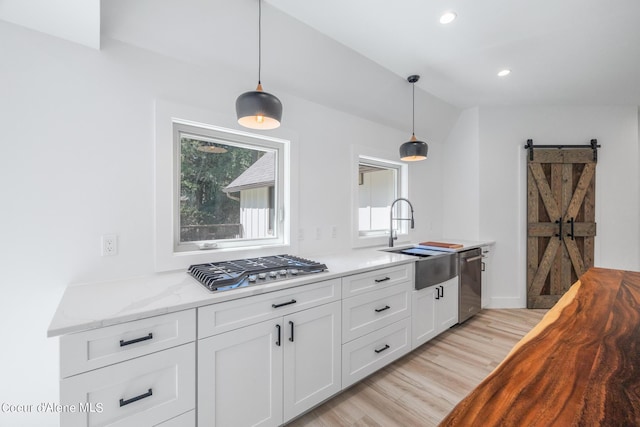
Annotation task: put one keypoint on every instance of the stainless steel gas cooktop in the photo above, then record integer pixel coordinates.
(225, 275)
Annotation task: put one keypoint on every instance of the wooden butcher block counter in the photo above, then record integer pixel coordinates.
(579, 367)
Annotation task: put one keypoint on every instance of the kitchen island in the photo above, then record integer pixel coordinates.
(578, 366)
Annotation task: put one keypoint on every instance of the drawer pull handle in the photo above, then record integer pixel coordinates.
(386, 347)
(382, 280)
(135, 399)
(386, 307)
(283, 304)
(133, 341)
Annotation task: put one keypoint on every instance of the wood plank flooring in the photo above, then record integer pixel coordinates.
(421, 388)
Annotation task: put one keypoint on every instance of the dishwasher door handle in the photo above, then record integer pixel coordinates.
(475, 258)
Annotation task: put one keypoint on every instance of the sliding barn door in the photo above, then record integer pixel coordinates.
(561, 222)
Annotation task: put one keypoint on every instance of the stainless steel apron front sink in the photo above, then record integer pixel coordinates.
(432, 267)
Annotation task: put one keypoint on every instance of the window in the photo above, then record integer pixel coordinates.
(380, 182)
(205, 208)
(377, 189)
(227, 189)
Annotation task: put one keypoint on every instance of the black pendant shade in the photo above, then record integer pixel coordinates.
(413, 150)
(258, 109)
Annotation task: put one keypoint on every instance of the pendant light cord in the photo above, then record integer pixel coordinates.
(413, 109)
(259, 39)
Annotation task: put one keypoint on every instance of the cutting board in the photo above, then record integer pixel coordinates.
(442, 245)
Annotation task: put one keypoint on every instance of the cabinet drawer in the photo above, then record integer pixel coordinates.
(226, 316)
(185, 420)
(376, 279)
(365, 313)
(96, 348)
(143, 391)
(367, 354)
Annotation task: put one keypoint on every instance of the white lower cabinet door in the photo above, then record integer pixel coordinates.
(140, 392)
(240, 377)
(423, 326)
(448, 305)
(312, 351)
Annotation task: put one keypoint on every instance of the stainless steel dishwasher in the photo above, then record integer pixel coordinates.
(470, 281)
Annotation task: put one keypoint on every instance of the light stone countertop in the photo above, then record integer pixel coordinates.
(95, 305)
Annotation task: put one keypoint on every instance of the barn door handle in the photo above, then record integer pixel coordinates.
(559, 235)
(571, 234)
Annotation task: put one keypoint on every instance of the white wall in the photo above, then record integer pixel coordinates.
(75, 20)
(503, 133)
(485, 183)
(461, 179)
(76, 162)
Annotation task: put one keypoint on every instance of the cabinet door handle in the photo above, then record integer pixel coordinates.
(382, 280)
(278, 340)
(386, 346)
(133, 341)
(483, 266)
(437, 292)
(442, 291)
(291, 337)
(283, 304)
(386, 307)
(135, 399)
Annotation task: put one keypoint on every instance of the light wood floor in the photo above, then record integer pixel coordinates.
(421, 388)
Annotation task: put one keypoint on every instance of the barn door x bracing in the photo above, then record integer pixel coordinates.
(561, 221)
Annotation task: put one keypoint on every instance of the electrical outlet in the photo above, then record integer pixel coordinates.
(318, 233)
(301, 234)
(109, 245)
(334, 231)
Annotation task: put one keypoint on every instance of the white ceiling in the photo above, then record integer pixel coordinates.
(560, 51)
(355, 55)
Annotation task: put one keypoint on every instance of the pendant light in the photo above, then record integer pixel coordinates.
(413, 150)
(258, 109)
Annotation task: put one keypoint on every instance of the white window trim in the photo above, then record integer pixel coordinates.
(253, 142)
(166, 257)
(380, 158)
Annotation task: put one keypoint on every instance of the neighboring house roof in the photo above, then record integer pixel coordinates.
(260, 174)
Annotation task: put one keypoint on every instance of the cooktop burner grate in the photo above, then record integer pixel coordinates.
(225, 275)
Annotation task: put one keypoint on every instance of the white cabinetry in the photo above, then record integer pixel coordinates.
(435, 309)
(486, 275)
(140, 373)
(269, 371)
(240, 377)
(311, 358)
(376, 317)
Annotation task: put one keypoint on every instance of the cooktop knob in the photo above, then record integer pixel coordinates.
(293, 271)
(282, 272)
(273, 273)
(252, 278)
(262, 276)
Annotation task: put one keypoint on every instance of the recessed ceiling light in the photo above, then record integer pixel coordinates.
(447, 17)
(504, 72)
